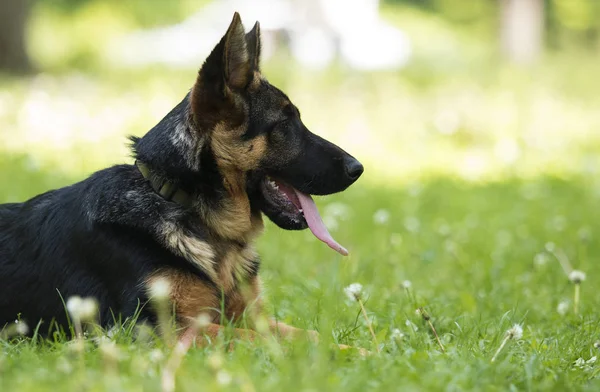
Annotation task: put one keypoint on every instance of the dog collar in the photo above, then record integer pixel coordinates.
(165, 188)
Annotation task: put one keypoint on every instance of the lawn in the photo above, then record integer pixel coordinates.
(478, 179)
(480, 258)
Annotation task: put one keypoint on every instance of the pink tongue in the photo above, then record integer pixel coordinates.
(315, 223)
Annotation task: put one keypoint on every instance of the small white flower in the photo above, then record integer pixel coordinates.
(223, 377)
(160, 289)
(215, 361)
(444, 229)
(412, 224)
(156, 355)
(331, 223)
(577, 276)
(597, 344)
(563, 307)
(354, 291)
(381, 216)
(396, 334)
(584, 234)
(110, 351)
(406, 284)
(540, 259)
(88, 309)
(516, 332)
(21, 327)
(203, 320)
(74, 306)
(411, 325)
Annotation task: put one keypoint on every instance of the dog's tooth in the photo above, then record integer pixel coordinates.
(300, 209)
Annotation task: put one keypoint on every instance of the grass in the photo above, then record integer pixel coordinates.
(478, 260)
(476, 175)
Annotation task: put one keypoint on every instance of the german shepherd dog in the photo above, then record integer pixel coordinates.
(187, 212)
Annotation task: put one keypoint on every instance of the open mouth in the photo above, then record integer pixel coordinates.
(289, 207)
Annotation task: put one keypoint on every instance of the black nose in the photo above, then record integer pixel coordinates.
(353, 168)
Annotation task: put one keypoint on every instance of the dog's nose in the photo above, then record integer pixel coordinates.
(353, 168)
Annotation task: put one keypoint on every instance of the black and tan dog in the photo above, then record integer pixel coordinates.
(188, 211)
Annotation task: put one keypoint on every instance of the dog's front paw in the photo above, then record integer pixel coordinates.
(362, 351)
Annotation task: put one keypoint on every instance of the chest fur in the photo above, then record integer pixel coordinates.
(226, 263)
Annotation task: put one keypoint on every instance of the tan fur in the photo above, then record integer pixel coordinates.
(192, 249)
(234, 158)
(231, 153)
(189, 294)
(235, 266)
(256, 81)
(192, 296)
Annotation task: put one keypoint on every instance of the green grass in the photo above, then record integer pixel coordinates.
(469, 252)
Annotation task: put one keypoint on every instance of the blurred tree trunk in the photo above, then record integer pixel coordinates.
(521, 29)
(13, 19)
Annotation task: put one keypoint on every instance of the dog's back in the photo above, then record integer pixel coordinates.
(56, 245)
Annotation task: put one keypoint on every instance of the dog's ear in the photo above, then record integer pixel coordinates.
(237, 66)
(229, 67)
(253, 43)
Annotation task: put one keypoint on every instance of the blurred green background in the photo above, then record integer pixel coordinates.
(462, 105)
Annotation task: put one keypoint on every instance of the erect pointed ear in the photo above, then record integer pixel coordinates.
(253, 42)
(236, 59)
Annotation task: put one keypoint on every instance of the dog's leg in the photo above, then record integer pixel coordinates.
(285, 331)
(203, 336)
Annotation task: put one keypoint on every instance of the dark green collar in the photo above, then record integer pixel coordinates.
(167, 189)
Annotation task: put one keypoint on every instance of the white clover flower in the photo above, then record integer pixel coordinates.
(411, 325)
(110, 351)
(156, 355)
(412, 224)
(21, 328)
(331, 222)
(444, 229)
(223, 377)
(381, 217)
(74, 306)
(577, 276)
(406, 284)
(354, 291)
(88, 309)
(396, 334)
(203, 320)
(160, 289)
(516, 332)
(215, 361)
(540, 259)
(82, 309)
(563, 307)
(584, 234)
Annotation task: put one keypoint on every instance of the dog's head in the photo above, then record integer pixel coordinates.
(254, 130)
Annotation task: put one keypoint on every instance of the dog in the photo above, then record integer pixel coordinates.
(187, 212)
